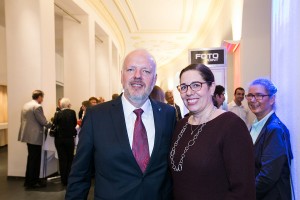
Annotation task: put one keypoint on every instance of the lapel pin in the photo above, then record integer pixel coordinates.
(159, 109)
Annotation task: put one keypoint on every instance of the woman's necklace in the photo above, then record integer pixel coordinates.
(192, 131)
(178, 168)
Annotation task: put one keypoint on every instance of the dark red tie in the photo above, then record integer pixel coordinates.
(140, 147)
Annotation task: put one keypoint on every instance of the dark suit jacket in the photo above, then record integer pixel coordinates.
(104, 142)
(65, 121)
(272, 152)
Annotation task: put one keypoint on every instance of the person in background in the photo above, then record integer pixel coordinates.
(31, 131)
(65, 121)
(101, 100)
(93, 101)
(211, 154)
(170, 100)
(58, 108)
(114, 96)
(219, 96)
(237, 107)
(126, 140)
(271, 141)
(157, 94)
(84, 106)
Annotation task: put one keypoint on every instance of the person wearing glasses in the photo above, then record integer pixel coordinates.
(271, 143)
(211, 154)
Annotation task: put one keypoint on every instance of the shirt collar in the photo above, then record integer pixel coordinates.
(129, 108)
(261, 122)
(235, 105)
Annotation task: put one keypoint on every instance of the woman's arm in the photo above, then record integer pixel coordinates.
(273, 158)
(238, 158)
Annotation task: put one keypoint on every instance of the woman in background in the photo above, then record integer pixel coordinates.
(212, 153)
(271, 141)
(65, 121)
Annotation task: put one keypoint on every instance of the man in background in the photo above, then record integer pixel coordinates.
(126, 141)
(31, 131)
(93, 101)
(237, 107)
(58, 108)
(170, 100)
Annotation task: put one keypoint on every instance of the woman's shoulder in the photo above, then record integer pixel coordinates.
(226, 116)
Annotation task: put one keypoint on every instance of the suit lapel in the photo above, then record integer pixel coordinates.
(263, 130)
(118, 119)
(158, 118)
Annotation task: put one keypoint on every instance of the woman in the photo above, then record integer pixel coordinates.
(65, 121)
(212, 154)
(271, 143)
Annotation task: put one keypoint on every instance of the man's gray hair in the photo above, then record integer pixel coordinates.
(65, 103)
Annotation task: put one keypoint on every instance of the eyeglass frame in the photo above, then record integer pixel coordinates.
(256, 96)
(187, 86)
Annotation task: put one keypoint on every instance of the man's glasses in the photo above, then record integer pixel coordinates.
(258, 97)
(195, 86)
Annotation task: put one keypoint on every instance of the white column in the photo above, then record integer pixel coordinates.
(30, 65)
(79, 59)
(285, 73)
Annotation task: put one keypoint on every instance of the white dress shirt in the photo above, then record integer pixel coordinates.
(240, 111)
(147, 118)
(258, 125)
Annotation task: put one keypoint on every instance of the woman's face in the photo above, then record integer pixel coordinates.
(260, 107)
(196, 101)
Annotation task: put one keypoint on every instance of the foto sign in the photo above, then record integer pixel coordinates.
(209, 57)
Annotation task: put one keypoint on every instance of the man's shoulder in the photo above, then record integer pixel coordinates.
(231, 104)
(30, 105)
(163, 106)
(103, 107)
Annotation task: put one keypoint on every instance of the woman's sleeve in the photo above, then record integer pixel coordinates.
(238, 157)
(273, 158)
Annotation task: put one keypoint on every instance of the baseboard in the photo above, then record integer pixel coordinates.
(12, 178)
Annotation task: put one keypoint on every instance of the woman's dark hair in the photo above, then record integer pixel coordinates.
(204, 71)
(36, 94)
(219, 90)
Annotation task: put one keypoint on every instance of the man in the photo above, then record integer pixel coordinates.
(31, 131)
(219, 97)
(126, 140)
(237, 107)
(93, 101)
(170, 100)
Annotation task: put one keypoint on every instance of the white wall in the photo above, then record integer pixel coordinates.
(103, 81)
(256, 41)
(77, 60)
(285, 74)
(3, 67)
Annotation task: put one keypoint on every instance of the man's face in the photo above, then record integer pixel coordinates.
(40, 99)
(170, 98)
(239, 96)
(138, 76)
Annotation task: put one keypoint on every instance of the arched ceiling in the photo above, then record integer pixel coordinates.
(164, 27)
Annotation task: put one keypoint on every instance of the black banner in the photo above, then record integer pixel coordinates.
(208, 56)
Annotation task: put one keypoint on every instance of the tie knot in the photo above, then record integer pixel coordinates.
(138, 112)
